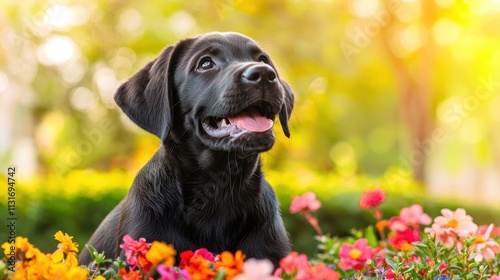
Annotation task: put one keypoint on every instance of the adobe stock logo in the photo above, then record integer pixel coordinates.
(362, 35)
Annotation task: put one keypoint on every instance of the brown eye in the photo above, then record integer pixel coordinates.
(206, 64)
(263, 59)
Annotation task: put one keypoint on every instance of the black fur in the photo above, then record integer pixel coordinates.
(200, 191)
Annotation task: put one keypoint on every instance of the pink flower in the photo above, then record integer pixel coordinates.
(322, 272)
(484, 246)
(293, 261)
(372, 198)
(414, 216)
(397, 224)
(354, 256)
(298, 264)
(445, 237)
(254, 269)
(305, 203)
(456, 222)
(494, 277)
(494, 232)
(170, 273)
(134, 249)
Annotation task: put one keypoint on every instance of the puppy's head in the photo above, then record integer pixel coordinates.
(219, 88)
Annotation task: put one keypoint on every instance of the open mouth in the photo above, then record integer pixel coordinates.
(255, 118)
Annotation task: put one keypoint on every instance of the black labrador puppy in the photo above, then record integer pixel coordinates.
(212, 100)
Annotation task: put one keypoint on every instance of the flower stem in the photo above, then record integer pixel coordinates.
(313, 222)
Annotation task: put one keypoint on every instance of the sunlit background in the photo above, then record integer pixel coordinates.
(404, 94)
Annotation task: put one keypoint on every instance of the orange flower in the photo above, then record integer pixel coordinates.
(382, 225)
(200, 268)
(161, 252)
(130, 274)
(232, 264)
(66, 248)
(22, 247)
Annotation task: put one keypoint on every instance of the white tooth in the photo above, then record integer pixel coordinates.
(224, 122)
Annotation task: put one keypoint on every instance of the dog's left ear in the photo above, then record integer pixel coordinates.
(286, 108)
(146, 98)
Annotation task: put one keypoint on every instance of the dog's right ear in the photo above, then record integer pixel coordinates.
(146, 97)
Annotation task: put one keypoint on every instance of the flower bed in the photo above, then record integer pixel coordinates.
(408, 246)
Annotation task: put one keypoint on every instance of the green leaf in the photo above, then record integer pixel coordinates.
(371, 236)
(220, 275)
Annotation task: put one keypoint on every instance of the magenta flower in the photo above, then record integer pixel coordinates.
(305, 203)
(494, 277)
(134, 249)
(170, 273)
(207, 255)
(372, 198)
(354, 256)
(414, 216)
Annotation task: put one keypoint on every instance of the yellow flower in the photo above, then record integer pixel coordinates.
(6, 248)
(161, 252)
(33, 264)
(66, 247)
(23, 249)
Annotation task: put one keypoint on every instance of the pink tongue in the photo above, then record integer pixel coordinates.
(252, 120)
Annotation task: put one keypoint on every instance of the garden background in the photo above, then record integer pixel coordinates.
(401, 94)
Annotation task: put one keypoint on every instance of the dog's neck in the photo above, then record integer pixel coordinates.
(210, 178)
(196, 164)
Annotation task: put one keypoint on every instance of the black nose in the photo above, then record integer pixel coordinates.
(261, 74)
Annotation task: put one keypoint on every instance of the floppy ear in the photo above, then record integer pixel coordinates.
(146, 97)
(286, 108)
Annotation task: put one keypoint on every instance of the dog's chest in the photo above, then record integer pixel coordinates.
(219, 217)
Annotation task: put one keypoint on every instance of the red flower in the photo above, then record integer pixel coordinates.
(305, 203)
(354, 256)
(402, 239)
(372, 198)
(389, 274)
(186, 258)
